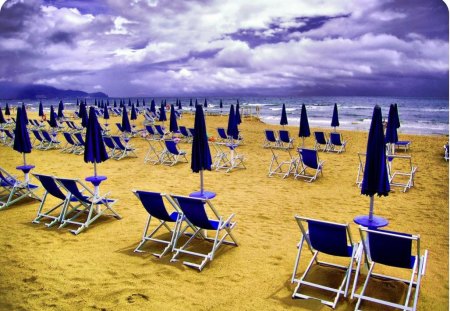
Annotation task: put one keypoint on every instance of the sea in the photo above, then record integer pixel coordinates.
(418, 115)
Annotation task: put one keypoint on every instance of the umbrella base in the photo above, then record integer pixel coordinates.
(376, 222)
(205, 195)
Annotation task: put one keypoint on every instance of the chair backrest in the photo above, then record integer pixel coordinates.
(329, 238)
(68, 138)
(118, 142)
(335, 139)
(320, 138)
(192, 131)
(109, 142)
(284, 136)
(9, 133)
(150, 130)
(119, 126)
(194, 210)
(183, 131)
(46, 136)
(6, 179)
(50, 185)
(222, 133)
(310, 158)
(37, 135)
(391, 248)
(71, 186)
(270, 135)
(171, 147)
(154, 204)
(79, 137)
(159, 129)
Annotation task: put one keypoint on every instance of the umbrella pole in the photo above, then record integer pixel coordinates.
(371, 209)
(303, 142)
(201, 182)
(24, 159)
(95, 169)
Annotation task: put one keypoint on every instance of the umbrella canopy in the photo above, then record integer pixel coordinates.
(335, 117)
(115, 103)
(232, 129)
(7, 112)
(22, 142)
(200, 155)
(397, 119)
(94, 147)
(24, 113)
(173, 126)
(52, 121)
(190, 102)
(284, 120)
(61, 106)
(2, 119)
(143, 102)
(162, 113)
(133, 113)
(196, 102)
(83, 115)
(106, 114)
(129, 102)
(238, 114)
(78, 102)
(179, 104)
(376, 179)
(41, 109)
(391, 130)
(60, 111)
(152, 106)
(125, 122)
(205, 104)
(304, 124)
(221, 104)
(137, 102)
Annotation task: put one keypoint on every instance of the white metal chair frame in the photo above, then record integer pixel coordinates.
(276, 165)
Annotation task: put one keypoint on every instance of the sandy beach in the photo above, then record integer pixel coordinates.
(51, 269)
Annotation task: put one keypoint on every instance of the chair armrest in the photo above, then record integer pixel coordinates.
(226, 222)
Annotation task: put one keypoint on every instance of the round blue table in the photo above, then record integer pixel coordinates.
(203, 195)
(25, 168)
(96, 180)
(374, 223)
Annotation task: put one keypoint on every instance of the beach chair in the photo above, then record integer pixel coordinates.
(220, 158)
(270, 141)
(446, 152)
(155, 148)
(336, 143)
(282, 158)
(54, 189)
(396, 251)
(50, 141)
(401, 171)
(329, 240)
(187, 136)
(38, 142)
(161, 131)
(361, 165)
(192, 131)
(286, 142)
(223, 137)
(9, 138)
(123, 150)
(322, 142)
(171, 155)
(194, 211)
(92, 204)
(148, 119)
(79, 138)
(14, 190)
(308, 160)
(153, 203)
(72, 146)
(403, 145)
(109, 143)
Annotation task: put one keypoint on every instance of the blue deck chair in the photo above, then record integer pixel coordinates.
(13, 190)
(123, 150)
(282, 163)
(172, 155)
(94, 205)
(79, 138)
(270, 141)
(192, 131)
(194, 211)
(66, 200)
(187, 136)
(9, 138)
(361, 166)
(336, 143)
(327, 239)
(153, 203)
(446, 152)
(401, 171)
(50, 140)
(148, 119)
(308, 160)
(113, 152)
(161, 131)
(322, 142)
(395, 250)
(286, 141)
(223, 137)
(403, 144)
(72, 146)
(38, 142)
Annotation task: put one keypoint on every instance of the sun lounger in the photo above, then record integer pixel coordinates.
(336, 143)
(14, 190)
(322, 142)
(286, 142)
(308, 160)
(171, 155)
(270, 141)
(123, 149)
(401, 171)
(280, 159)
(403, 145)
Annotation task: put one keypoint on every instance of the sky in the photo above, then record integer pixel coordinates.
(233, 47)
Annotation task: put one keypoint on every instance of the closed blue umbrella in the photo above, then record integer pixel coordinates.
(232, 129)
(52, 122)
(284, 120)
(84, 115)
(61, 106)
(95, 103)
(22, 142)
(2, 119)
(173, 126)
(60, 111)
(391, 130)
(24, 112)
(221, 104)
(78, 102)
(190, 103)
(107, 103)
(162, 113)
(94, 147)
(143, 102)
(133, 113)
(137, 102)
(126, 127)
(7, 112)
(375, 180)
(205, 104)
(153, 106)
(179, 104)
(238, 114)
(41, 109)
(196, 102)
(129, 102)
(304, 125)
(201, 155)
(115, 103)
(335, 118)
(397, 118)
(106, 114)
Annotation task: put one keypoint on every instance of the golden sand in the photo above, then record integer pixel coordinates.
(51, 269)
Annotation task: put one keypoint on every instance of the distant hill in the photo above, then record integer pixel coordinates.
(10, 90)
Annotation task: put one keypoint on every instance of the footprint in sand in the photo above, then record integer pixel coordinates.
(136, 297)
(31, 279)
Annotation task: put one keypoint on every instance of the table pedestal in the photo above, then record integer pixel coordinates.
(374, 223)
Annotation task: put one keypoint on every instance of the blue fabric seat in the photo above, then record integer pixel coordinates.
(171, 155)
(322, 142)
(13, 190)
(308, 160)
(271, 141)
(336, 143)
(285, 140)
